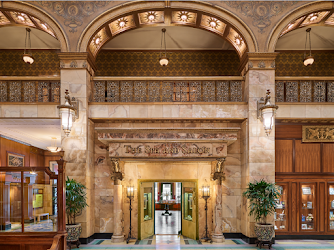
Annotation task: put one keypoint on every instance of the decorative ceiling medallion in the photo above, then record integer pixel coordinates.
(21, 18)
(237, 41)
(151, 17)
(98, 40)
(314, 18)
(44, 26)
(184, 17)
(330, 20)
(122, 24)
(213, 24)
(292, 25)
(3, 19)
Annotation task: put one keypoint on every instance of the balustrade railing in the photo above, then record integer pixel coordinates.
(29, 91)
(168, 91)
(304, 91)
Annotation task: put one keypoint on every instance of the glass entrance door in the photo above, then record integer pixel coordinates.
(146, 209)
(189, 210)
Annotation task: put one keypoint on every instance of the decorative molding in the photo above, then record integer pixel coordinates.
(260, 11)
(167, 120)
(74, 11)
(318, 133)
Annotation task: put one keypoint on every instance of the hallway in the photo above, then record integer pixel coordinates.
(167, 224)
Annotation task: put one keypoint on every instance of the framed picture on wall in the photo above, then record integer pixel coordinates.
(304, 226)
(306, 190)
(54, 166)
(15, 160)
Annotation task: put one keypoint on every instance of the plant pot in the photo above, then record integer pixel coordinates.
(73, 233)
(264, 232)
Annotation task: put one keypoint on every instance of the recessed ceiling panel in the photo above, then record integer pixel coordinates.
(177, 38)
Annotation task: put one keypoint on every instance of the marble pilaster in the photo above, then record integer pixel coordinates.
(118, 235)
(258, 148)
(217, 234)
(76, 73)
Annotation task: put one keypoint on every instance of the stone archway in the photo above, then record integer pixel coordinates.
(240, 29)
(302, 11)
(34, 11)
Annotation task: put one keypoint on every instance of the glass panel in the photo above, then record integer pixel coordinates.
(281, 209)
(308, 205)
(188, 203)
(10, 202)
(331, 207)
(147, 203)
(39, 212)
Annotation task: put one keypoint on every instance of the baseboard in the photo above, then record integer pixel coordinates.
(232, 235)
(95, 236)
(304, 237)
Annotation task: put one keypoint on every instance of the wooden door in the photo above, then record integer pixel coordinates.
(146, 209)
(189, 210)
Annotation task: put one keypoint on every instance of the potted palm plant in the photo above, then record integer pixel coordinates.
(75, 203)
(262, 196)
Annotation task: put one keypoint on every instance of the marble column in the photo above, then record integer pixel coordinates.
(76, 73)
(258, 149)
(118, 235)
(217, 234)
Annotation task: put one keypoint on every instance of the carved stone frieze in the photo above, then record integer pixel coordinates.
(318, 133)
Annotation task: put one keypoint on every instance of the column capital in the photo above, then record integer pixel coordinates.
(258, 61)
(77, 60)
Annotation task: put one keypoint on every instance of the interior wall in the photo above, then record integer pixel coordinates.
(104, 186)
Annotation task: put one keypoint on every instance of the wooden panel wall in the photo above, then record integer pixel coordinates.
(288, 131)
(283, 155)
(328, 157)
(322, 207)
(307, 157)
(294, 207)
(13, 147)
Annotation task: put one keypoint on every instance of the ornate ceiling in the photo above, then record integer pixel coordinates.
(167, 17)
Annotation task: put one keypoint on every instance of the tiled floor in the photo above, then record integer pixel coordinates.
(167, 224)
(176, 242)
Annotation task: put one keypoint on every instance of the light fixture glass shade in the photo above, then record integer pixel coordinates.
(27, 58)
(268, 115)
(308, 60)
(130, 192)
(206, 191)
(163, 61)
(53, 148)
(67, 114)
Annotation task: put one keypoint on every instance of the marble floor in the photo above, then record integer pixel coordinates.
(177, 242)
(167, 224)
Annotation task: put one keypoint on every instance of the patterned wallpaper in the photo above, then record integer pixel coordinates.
(12, 64)
(146, 63)
(291, 64)
(190, 63)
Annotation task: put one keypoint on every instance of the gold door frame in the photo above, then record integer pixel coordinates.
(164, 180)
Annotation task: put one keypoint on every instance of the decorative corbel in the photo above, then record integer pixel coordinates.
(218, 173)
(116, 171)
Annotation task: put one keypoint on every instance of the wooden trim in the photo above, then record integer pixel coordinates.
(167, 78)
(304, 103)
(304, 78)
(22, 201)
(321, 157)
(167, 103)
(294, 156)
(29, 78)
(29, 103)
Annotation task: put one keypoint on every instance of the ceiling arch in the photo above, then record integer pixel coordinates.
(23, 14)
(142, 14)
(311, 14)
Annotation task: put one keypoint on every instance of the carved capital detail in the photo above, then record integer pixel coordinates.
(218, 173)
(116, 170)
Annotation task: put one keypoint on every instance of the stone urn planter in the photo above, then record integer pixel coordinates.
(73, 234)
(264, 232)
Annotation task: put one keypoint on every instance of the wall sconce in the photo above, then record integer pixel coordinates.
(266, 113)
(68, 113)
